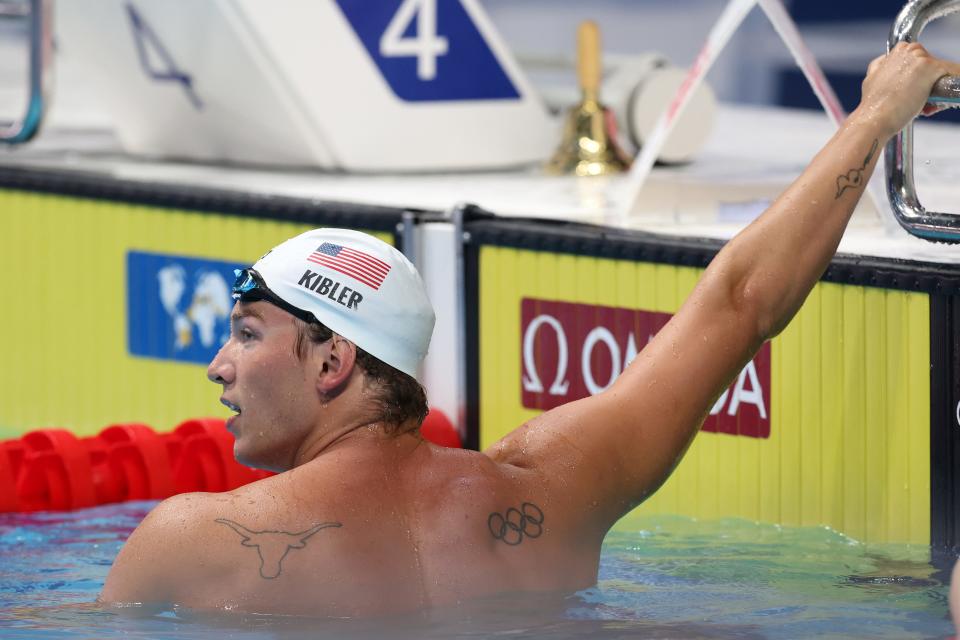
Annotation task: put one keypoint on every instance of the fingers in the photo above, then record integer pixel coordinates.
(912, 47)
(950, 69)
(902, 50)
(898, 85)
(915, 59)
(953, 68)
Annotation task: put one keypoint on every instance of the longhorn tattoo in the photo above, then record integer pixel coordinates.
(273, 546)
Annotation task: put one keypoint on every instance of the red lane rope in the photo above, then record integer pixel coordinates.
(54, 470)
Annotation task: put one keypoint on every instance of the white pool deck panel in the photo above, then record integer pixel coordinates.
(750, 157)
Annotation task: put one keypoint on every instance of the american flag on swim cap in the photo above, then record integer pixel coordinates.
(350, 262)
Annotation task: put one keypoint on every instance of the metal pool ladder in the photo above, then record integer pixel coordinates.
(41, 49)
(929, 225)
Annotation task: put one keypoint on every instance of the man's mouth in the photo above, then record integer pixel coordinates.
(230, 405)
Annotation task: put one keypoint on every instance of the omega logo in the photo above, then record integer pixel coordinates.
(580, 350)
(531, 381)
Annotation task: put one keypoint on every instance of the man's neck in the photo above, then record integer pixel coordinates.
(365, 436)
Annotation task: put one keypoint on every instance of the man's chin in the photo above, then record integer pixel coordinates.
(251, 460)
(244, 458)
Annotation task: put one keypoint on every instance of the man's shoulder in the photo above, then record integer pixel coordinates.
(204, 520)
(161, 551)
(179, 519)
(182, 513)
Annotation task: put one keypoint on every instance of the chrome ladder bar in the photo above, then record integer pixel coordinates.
(901, 191)
(41, 59)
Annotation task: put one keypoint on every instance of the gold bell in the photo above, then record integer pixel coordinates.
(589, 146)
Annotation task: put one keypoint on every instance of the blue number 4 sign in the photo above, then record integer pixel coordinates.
(428, 50)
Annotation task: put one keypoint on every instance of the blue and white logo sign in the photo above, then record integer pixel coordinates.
(178, 308)
(428, 50)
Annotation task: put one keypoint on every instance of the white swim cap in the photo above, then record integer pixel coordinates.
(360, 287)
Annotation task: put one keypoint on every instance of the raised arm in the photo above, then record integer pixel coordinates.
(607, 453)
(773, 264)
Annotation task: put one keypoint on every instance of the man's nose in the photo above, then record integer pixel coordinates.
(220, 370)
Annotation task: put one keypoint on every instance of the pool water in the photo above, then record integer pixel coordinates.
(660, 577)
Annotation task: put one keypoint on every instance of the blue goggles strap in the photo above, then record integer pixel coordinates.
(250, 287)
(244, 281)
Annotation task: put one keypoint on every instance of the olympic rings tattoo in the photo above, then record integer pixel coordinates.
(515, 524)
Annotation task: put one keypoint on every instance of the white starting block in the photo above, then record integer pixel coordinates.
(356, 85)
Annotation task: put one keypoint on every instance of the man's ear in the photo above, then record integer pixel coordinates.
(337, 366)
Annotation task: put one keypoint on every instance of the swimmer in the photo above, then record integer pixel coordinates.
(366, 518)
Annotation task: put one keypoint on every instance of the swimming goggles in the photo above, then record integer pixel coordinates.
(250, 287)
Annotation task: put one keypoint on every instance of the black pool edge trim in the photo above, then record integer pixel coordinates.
(482, 227)
(471, 285)
(944, 431)
(203, 199)
(621, 244)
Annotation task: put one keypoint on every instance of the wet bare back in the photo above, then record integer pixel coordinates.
(360, 531)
